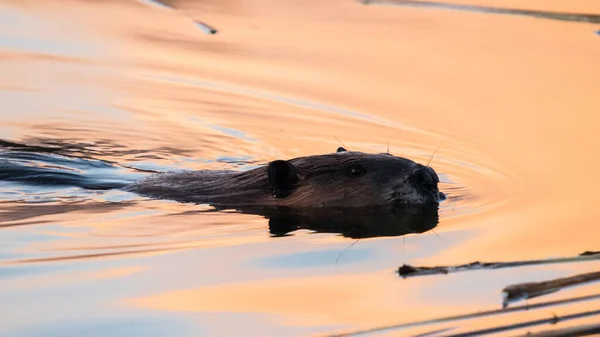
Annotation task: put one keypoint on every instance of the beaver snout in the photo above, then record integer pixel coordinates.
(424, 176)
(426, 179)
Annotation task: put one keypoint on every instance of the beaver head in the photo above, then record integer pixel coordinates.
(352, 179)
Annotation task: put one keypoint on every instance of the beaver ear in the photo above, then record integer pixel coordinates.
(282, 176)
(341, 149)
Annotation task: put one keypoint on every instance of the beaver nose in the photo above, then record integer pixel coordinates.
(424, 176)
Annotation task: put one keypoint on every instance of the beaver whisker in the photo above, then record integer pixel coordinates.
(342, 144)
(403, 248)
(343, 251)
(343, 148)
(436, 234)
(433, 154)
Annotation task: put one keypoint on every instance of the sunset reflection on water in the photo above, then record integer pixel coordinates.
(511, 102)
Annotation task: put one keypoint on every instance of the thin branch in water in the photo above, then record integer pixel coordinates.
(205, 28)
(502, 328)
(582, 330)
(562, 16)
(480, 314)
(523, 291)
(411, 271)
(434, 332)
(160, 5)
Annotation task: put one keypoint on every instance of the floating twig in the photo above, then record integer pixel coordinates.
(562, 16)
(524, 291)
(472, 315)
(205, 28)
(410, 271)
(160, 5)
(582, 330)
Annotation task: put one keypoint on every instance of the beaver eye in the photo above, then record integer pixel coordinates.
(356, 170)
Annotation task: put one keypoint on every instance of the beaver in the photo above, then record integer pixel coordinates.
(345, 179)
(388, 196)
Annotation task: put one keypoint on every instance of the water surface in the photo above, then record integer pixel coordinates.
(513, 102)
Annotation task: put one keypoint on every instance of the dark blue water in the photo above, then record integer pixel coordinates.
(59, 171)
(52, 172)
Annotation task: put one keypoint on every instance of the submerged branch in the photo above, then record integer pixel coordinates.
(583, 330)
(524, 291)
(410, 271)
(502, 328)
(472, 315)
(562, 16)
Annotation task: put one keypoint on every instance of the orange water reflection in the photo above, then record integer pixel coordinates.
(513, 101)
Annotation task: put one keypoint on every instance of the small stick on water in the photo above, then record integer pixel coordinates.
(522, 291)
(434, 332)
(406, 271)
(157, 4)
(562, 16)
(205, 28)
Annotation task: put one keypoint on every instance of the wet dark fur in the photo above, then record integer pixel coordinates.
(343, 179)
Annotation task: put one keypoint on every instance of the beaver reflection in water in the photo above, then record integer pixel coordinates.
(356, 223)
(344, 179)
